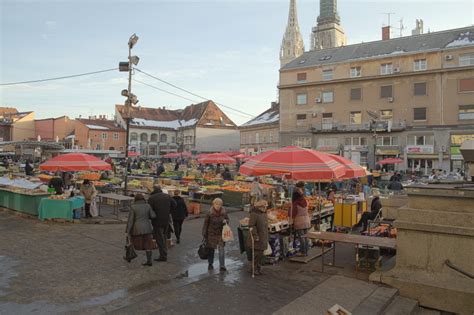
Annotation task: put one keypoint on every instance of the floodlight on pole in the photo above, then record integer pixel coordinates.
(134, 60)
(132, 41)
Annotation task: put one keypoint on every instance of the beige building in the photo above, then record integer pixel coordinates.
(411, 97)
(261, 133)
(16, 126)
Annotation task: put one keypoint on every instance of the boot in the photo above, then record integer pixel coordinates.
(148, 258)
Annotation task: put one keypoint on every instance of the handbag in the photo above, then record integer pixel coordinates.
(203, 250)
(130, 253)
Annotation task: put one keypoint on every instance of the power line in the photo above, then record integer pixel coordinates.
(157, 88)
(189, 92)
(59, 78)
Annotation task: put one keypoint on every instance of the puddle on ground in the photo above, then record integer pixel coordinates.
(7, 272)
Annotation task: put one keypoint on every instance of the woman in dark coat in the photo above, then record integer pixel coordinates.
(178, 214)
(139, 227)
(212, 232)
(258, 230)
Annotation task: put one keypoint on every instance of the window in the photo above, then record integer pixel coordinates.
(301, 116)
(387, 141)
(420, 88)
(386, 91)
(173, 139)
(250, 139)
(419, 114)
(301, 99)
(133, 136)
(154, 137)
(358, 141)
(466, 112)
(327, 142)
(270, 137)
(98, 146)
(420, 140)
(304, 142)
(163, 138)
(104, 135)
(386, 68)
(328, 97)
(301, 77)
(356, 94)
(152, 150)
(355, 118)
(356, 72)
(111, 148)
(466, 60)
(121, 149)
(116, 136)
(327, 121)
(264, 139)
(386, 114)
(327, 75)
(419, 65)
(466, 85)
(257, 137)
(144, 137)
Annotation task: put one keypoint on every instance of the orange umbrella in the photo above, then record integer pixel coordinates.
(73, 162)
(352, 170)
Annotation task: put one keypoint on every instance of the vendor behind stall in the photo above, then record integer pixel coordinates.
(227, 175)
(29, 170)
(57, 183)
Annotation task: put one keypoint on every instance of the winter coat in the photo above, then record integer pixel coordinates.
(161, 204)
(139, 219)
(375, 206)
(57, 184)
(259, 224)
(181, 210)
(29, 171)
(89, 192)
(212, 228)
(300, 215)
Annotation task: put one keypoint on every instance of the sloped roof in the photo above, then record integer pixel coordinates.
(100, 124)
(8, 111)
(454, 38)
(270, 116)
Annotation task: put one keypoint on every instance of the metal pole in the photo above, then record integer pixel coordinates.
(128, 104)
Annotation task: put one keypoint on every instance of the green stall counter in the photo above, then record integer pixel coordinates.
(59, 209)
(21, 201)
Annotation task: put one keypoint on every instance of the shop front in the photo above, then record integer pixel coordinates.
(386, 152)
(420, 158)
(357, 154)
(457, 161)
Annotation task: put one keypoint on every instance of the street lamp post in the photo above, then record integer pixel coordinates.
(131, 99)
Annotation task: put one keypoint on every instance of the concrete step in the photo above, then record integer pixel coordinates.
(377, 302)
(402, 306)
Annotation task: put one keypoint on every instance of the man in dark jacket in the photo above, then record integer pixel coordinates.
(29, 170)
(162, 204)
(178, 214)
(375, 207)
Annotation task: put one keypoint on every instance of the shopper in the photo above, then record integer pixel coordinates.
(89, 192)
(162, 204)
(160, 169)
(299, 214)
(212, 232)
(258, 234)
(29, 169)
(256, 191)
(178, 214)
(375, 207)
(227, 175)
(140, 229)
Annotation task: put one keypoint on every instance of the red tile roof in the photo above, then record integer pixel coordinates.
(101, 124)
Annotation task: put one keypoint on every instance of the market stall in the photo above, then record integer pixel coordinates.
(21, 195)
(59, 207)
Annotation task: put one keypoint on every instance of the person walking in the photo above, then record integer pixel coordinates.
(89, 192)
(212, 232)
(139, 227)
(162, 204)
(178, 214)
(258, 228)
(299, 214)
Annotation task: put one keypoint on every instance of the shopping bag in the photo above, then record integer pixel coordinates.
(94, 211)
(268, 251)
(227, 234)
(203, 250)
(130, 253)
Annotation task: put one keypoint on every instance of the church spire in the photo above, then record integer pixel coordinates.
(328, 32)
(292, 45)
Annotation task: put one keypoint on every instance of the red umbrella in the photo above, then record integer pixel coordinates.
(72, 162)
(216, 158)
(241, 156)
(296, 163)
(352, 169)
(133, 154)
(171, 155)
(390, 161)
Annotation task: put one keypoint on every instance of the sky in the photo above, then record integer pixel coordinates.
(224, 50)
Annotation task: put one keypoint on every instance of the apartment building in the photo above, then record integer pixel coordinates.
(261, 133)
(410, 97)
(99, 134)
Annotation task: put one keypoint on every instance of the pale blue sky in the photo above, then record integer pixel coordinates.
(226, 50)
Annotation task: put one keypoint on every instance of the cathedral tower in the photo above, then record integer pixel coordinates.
(328, 33)
(292, 45)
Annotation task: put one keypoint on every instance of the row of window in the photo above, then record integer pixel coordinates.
(105, 136)
(250, 139)
(153, 137)
(385, 69)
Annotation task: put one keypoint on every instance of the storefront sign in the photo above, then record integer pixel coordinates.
(456, 153)
(387, 152)
(420, 149)
(356, 148)
(327, 148)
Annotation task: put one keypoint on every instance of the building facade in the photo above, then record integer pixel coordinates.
(199, 127)
(52, 129)
(261, 133)
(328, 33)
(410, 97)
(292, 45)
(99, 134)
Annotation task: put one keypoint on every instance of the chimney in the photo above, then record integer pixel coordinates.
(386, 33)
(274, 105)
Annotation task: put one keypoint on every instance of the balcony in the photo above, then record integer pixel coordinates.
(381, 126)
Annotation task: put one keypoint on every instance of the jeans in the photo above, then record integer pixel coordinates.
(87, 207)
(177, 224)
(303, 240)
(210, 259)
(159, 233)
(366, 216)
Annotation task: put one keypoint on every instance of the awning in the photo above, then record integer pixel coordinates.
(426, 156)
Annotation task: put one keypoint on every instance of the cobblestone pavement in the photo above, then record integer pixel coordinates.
(48, 268)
